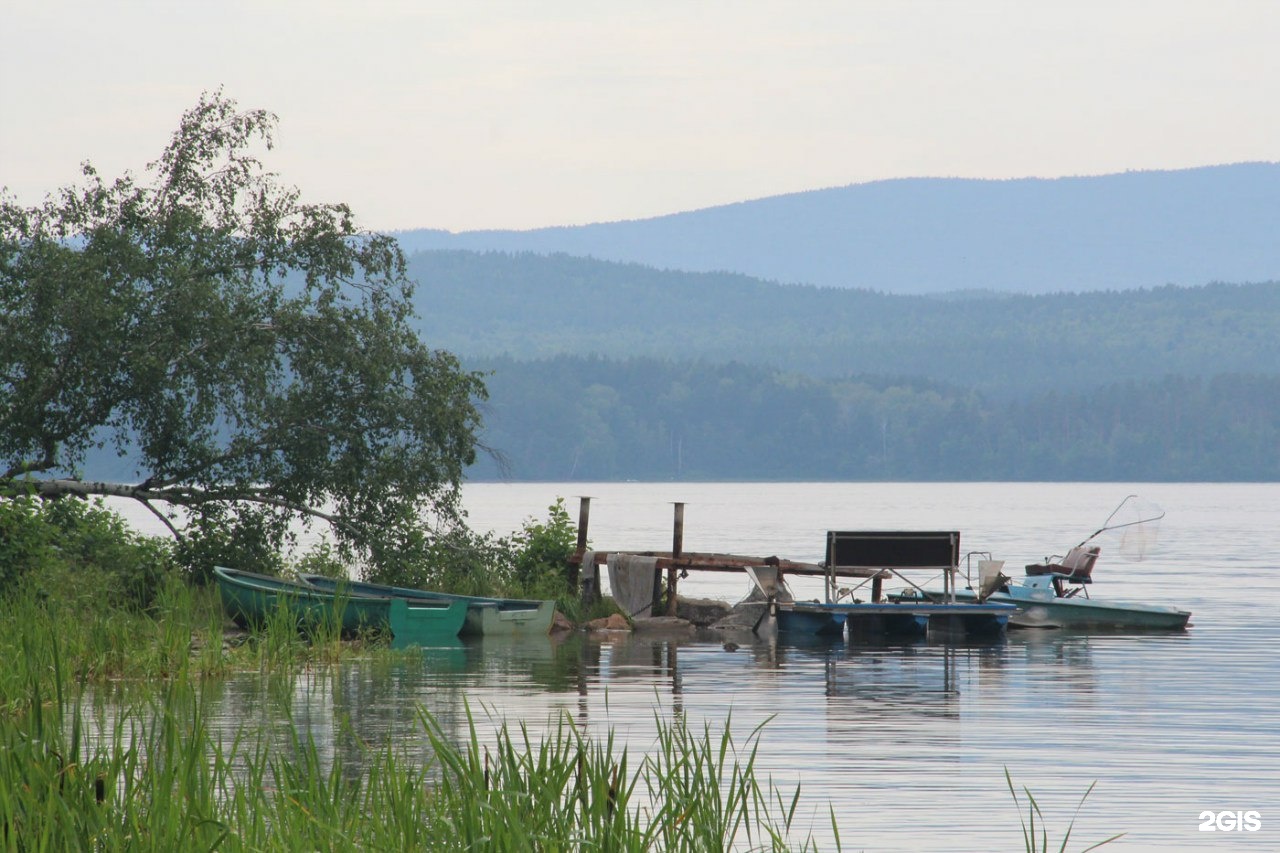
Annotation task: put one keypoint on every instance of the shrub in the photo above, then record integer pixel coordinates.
(321, 559)
(239, 539)
(26, 541)
(541, 551)
(456, 560)
(79, 549)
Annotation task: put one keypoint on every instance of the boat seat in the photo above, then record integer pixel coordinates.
(1075, 567)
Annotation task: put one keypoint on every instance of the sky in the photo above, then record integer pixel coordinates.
(475, 114)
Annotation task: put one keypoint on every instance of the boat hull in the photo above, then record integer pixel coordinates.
(510, 621)
(252, 600)
(490, 617)
(1038, 609)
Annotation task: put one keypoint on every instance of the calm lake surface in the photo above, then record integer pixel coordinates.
(907, 743)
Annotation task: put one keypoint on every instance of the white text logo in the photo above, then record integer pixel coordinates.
(1250, 821)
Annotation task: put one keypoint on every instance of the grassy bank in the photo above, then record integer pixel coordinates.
(148, 773)
(105, 743)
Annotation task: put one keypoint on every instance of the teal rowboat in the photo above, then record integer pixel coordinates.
(485, 616)
(252, 599)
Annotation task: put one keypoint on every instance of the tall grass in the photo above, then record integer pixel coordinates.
(152, 775)
(143, 770)
(692, 792)
(146, 772)
(1040, 843)
(107, 643)
(180, 636)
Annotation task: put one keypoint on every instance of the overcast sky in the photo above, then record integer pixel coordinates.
(472, 114)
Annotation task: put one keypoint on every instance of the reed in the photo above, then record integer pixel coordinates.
(1040, 843)
(180, 636)
(144, 770)
(151, 774)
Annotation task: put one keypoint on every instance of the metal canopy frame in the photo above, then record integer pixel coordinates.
(894, 551)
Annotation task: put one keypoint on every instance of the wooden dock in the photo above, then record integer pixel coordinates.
(678, 563)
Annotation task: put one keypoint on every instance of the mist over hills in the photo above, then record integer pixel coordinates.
(938, 235)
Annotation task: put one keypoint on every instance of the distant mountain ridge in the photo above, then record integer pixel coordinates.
(938, 235)
(528, 306)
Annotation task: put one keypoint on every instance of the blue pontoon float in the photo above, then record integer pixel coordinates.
(884, 555)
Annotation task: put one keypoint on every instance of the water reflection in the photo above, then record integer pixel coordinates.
(858, 723)
(1065, 658)
(607, 679)
(908, 743)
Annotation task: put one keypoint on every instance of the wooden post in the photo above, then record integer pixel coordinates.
(655, 605)
(575, 565)
(677, 546)
(584, 516)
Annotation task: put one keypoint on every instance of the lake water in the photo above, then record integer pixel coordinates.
(908, 743)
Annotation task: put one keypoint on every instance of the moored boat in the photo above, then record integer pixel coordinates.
(809, 617)
(1039, 607)
(253, 599)
(484, 616)
(1054, 593)
(1060, 599)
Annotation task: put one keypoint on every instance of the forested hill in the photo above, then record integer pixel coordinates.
(935, 235)
(532, 307)
(607, 371)
(586, 419)
(600, 370)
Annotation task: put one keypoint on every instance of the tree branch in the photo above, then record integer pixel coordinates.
(50, 489)
(163, 518)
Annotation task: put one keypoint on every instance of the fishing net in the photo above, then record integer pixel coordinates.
(1133, 530)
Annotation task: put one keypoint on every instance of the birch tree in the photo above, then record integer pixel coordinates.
(252, 355)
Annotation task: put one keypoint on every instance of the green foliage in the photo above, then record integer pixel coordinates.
(541, 552)
(239, 347)
(321, 559)
(77, 551)
(529, 563)
(455, 559)
(26, 541)
(238, 537)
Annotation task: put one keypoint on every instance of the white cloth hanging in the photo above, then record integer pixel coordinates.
(631, 582)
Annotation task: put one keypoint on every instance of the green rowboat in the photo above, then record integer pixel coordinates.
(252, 599)
(485, 616)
